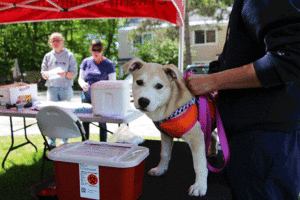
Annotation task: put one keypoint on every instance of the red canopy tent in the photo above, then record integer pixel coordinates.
(21, 11)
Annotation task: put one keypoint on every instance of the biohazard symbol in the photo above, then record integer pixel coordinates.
(92, 179)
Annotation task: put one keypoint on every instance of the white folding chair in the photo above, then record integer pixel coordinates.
(57, 122)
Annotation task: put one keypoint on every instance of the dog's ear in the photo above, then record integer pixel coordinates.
(133, 65)
(172, 72)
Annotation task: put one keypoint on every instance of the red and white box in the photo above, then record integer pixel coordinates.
(99, 170)
(18, 93)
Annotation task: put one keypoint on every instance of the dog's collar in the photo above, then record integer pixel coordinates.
(179, 111)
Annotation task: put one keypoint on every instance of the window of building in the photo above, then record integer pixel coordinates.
(205, 36)
(142, 39)
(138, 40)
(146, 37)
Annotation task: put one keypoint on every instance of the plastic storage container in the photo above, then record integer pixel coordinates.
(111, 98)
(99, 170)
(18, 92)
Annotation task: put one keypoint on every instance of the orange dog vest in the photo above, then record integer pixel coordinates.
(176, 126)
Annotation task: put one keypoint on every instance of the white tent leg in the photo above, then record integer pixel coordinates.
(181, 45)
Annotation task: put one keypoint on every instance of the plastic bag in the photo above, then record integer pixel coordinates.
(123, 135)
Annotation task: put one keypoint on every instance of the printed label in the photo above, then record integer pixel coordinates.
(89, 181)
(24, 88)
(24, 98)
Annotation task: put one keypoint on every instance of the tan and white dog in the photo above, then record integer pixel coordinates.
(158, 91)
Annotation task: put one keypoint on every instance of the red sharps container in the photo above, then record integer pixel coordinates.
(99, 170)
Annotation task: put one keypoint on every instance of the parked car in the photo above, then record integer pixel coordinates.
(197, 69)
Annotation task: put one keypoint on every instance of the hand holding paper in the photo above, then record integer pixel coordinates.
(62, 74)
(55, 73)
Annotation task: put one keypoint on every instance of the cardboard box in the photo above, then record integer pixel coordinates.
(18, 92)
(111, 98)
(99, 170)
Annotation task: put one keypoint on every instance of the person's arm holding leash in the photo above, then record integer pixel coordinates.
(241, 77)
(279, 65)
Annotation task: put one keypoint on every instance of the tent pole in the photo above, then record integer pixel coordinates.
(181, 47)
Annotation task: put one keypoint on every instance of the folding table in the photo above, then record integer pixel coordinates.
(84, 117)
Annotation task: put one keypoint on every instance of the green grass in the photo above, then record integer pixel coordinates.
(23, 166)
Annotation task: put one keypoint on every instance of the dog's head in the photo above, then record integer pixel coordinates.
(152, 83)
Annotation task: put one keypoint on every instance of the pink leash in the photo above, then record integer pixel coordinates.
(205, 121)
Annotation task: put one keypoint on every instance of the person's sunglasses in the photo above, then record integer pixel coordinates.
(53, 41)
(96, 50)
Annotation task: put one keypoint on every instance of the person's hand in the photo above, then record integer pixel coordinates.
(199, 84)
(44, 76)
(62, 74)
(85, 86)
(69, 75)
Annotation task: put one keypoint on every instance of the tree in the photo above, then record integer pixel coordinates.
(163, 50)
(201, 7)
(205, 8)
(29, 41)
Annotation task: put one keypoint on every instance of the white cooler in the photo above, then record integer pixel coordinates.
(111, 98)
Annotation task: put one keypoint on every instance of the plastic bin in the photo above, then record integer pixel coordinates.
(99, 170)
(18, 92)
(111, 98)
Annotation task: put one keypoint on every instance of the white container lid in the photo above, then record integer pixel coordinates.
(100, 153)
(109, 84)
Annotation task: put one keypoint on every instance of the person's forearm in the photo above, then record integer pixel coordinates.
(112, 76)
(44, 76)
(81, 82)
(237, 78)
(84, 85)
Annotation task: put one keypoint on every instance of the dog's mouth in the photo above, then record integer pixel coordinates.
(142, 109)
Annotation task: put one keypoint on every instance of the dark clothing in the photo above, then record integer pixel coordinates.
(85, 98)
(266, 32)
(102, 127)
(93, 73)
(272, 165)
(262, 124)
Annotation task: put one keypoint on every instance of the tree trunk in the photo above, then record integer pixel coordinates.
(114, 26)
(188, 57)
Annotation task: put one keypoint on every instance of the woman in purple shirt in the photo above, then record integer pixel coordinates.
(93, 69)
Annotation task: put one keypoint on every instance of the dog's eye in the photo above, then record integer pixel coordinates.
(139, 82)
(158, 86)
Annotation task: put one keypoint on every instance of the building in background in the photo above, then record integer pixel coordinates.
(207, 38)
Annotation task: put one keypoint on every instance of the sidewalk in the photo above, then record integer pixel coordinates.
(142, 126)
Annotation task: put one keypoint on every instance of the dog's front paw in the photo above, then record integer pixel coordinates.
(157, 171)
(198, 190)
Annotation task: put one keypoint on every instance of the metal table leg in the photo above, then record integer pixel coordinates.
(102, 137)
(12, 147)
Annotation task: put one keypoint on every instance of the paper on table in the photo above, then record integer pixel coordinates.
(74, 107)
(53, 74)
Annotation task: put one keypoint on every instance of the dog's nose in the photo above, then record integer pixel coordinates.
(143, 102)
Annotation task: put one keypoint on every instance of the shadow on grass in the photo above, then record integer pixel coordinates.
(23, 166)
(18, 179)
